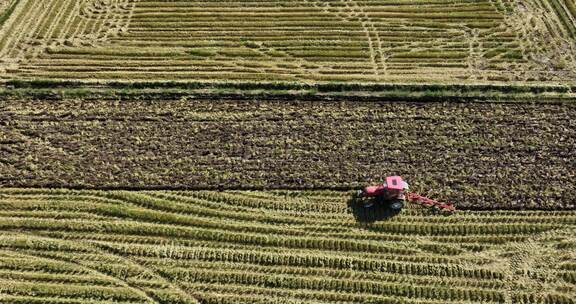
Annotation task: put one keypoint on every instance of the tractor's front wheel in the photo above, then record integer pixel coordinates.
(397, 205)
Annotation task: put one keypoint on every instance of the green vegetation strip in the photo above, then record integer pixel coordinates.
(52, 89)
(478, 155)
(69, 246)
(5, 14)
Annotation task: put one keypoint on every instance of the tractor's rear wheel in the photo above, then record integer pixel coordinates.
(397, 205)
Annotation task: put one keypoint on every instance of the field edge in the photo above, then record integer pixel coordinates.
(426, 92)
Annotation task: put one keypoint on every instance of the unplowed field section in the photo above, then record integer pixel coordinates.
(61, 246)
(312, 40)
(475, 155)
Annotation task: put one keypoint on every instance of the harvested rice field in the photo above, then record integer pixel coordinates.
(64, 246)
(408, 41)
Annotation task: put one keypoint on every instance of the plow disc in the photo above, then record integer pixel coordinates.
(428, 202)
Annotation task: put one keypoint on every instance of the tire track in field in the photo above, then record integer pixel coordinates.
(353, 10)
(377, 50)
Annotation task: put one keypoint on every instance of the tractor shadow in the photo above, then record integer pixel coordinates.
(377, 212)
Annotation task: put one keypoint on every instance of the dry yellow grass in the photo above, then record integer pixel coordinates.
(64, 246)
(311, 41)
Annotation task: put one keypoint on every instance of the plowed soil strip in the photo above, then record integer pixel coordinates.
(475, 155)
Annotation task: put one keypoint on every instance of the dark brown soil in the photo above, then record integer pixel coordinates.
(477, 155)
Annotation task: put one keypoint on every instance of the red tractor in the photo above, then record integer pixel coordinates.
(394, 193)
